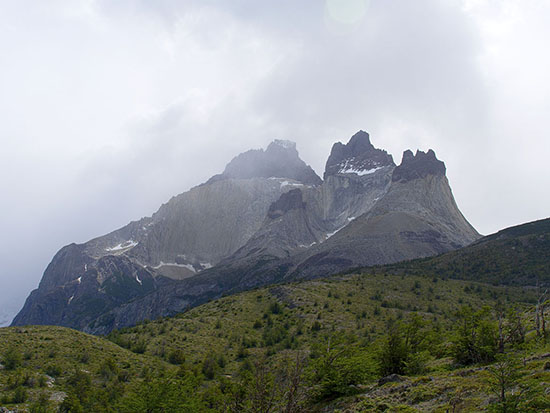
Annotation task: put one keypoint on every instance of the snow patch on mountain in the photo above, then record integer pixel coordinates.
(126, 245)
(348, 167)
(175, 264)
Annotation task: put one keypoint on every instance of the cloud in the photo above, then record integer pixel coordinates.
(110, 108)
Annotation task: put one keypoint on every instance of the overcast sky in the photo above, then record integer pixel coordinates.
(108, 108)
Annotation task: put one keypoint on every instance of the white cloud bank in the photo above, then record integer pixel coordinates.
(109, 108)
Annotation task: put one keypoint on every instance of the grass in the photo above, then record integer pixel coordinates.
(49, 355)
(357, 304)
(280, 323)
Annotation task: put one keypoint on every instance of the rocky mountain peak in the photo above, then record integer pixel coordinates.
(279, 160)
(418, 166)
(358, 157)
(360, 142)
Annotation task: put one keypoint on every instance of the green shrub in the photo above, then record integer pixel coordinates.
(393, 354)
(273, 335)
(209, 366)
(12, 358)
(108, 369)
(20, 395)
(81, 384)
(85, 357)
(475, 339)
(176, 357)
(275, 308)
(41, 405)
(53, 370)
(71, 404)
(139, 347)
(316, 326)
(336, 369)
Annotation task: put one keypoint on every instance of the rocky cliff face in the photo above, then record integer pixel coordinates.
(416, 217)
(267, 218)
(94, 289)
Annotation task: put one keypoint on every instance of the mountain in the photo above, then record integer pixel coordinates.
(190, 233)
(416, 217)
(267, 218)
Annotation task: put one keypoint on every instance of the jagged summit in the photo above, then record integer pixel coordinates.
(360, 142)
(418, 166)
(279, 160)
(358, 157)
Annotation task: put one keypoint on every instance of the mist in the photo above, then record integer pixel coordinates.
(111, 108)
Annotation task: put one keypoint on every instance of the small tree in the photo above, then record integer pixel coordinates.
(294, 392)
(210, 366)
(540, 322)
(263, 392)
(81, 385)
(503, 377)
(476, 336)
(108, 369)
(394, 353)
(336, 366)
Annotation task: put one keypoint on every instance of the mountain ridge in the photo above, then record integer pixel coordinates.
(266, 218)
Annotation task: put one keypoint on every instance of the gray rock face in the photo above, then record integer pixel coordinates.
(97, 288)
(288, 226)
(267, 218)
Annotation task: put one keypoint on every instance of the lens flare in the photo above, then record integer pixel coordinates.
(346, 12)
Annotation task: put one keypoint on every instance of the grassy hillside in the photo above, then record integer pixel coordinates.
(42, 364)
(314, 346)
(349, 318)
(358, 304)
(455, 333)
(514, 256)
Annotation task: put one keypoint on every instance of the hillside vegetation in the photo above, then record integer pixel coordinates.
(419, 336)
(514, 256)
(319, 345)
(41, 365)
